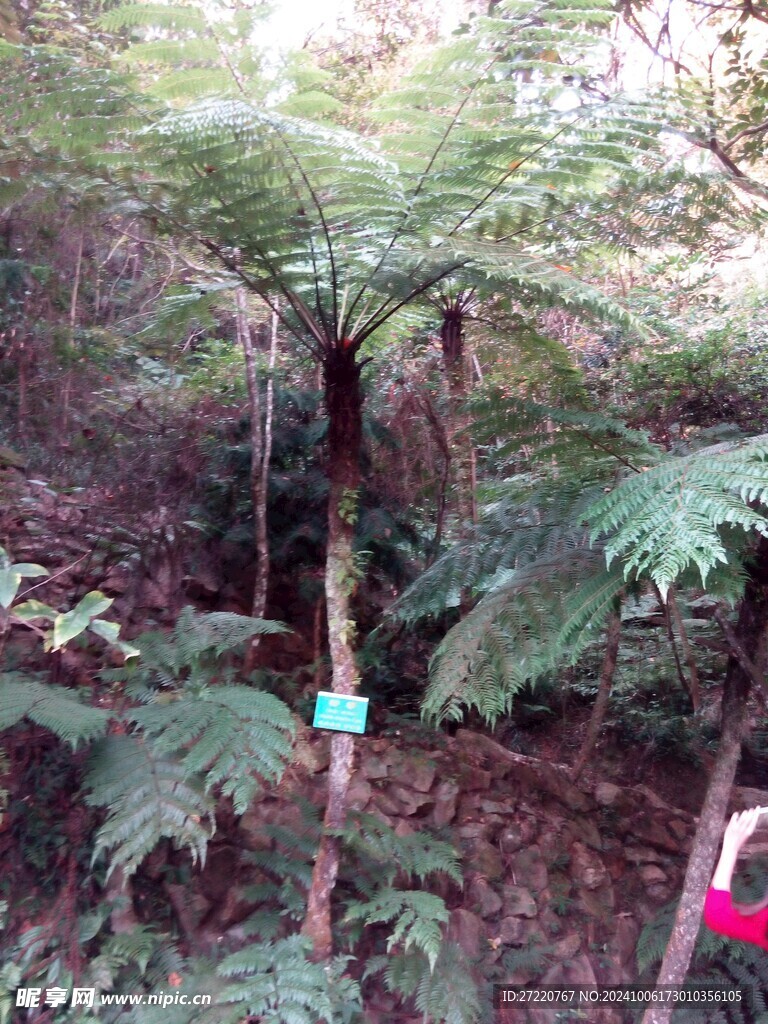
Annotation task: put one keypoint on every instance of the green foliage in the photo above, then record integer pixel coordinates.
(66, 625)
(703, 379)
(417, 917)
(382, 855)
(669, 517)
(11, 576)
(445, 991)
(195, 734)
(149, 797)
(62, 711)
(277, 980)
(592, 509)
(231, 734)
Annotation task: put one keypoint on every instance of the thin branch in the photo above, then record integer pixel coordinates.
(757, 129)
(607, 673)
(673, 644)
(55, 575)
(695, 688)
(747, 665)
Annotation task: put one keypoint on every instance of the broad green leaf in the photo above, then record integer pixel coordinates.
(70, 624)
(34, 610)
(110, 631)
(94, 603)
(30, 569)
(9, 584)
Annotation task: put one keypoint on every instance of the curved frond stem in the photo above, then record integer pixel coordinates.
(236, 76)
(421, 182)
(513, 170)
(605, 448)
(383, 313)
(551, 218)
(321, 214)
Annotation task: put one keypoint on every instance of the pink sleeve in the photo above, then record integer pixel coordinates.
(721, 916)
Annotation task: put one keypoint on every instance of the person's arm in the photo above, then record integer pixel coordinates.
(739, 829)
(719, 913)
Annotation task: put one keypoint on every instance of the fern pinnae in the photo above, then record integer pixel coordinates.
(52, 707)
(149, 798)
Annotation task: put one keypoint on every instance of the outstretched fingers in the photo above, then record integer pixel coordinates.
(741, 826)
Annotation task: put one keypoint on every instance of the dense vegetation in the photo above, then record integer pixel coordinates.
(408, 364)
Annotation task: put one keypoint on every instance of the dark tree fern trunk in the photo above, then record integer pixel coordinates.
(461, 450)
(750, 632)
(344, 405)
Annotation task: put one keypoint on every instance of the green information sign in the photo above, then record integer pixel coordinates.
(341, 712)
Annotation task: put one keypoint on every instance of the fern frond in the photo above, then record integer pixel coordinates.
(53, 707)
(234, 735)
(669, 517)
(447, 993)
(417, 919)
(415, 856)
(279, 981)
(541, 618)
(149, 798)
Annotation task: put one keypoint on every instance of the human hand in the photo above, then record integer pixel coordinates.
(740, 828)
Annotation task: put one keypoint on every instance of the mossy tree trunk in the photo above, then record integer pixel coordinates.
(750, 633)
(344, 404)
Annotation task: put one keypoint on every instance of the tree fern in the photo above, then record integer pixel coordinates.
(149, 797)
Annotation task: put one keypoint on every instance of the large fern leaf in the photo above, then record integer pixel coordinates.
(149, 797)
(278, 981)
(54, 707)
(661, 521)
(234, 736)
(416, 918)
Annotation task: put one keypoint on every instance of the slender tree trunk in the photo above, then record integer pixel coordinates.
(67, 389)
(607, 672)
(750, 630)
(693, 671)
(439, 434)
(23, 406)
(462, 452)
(261, 452)
(262, 541)
(344, 404)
